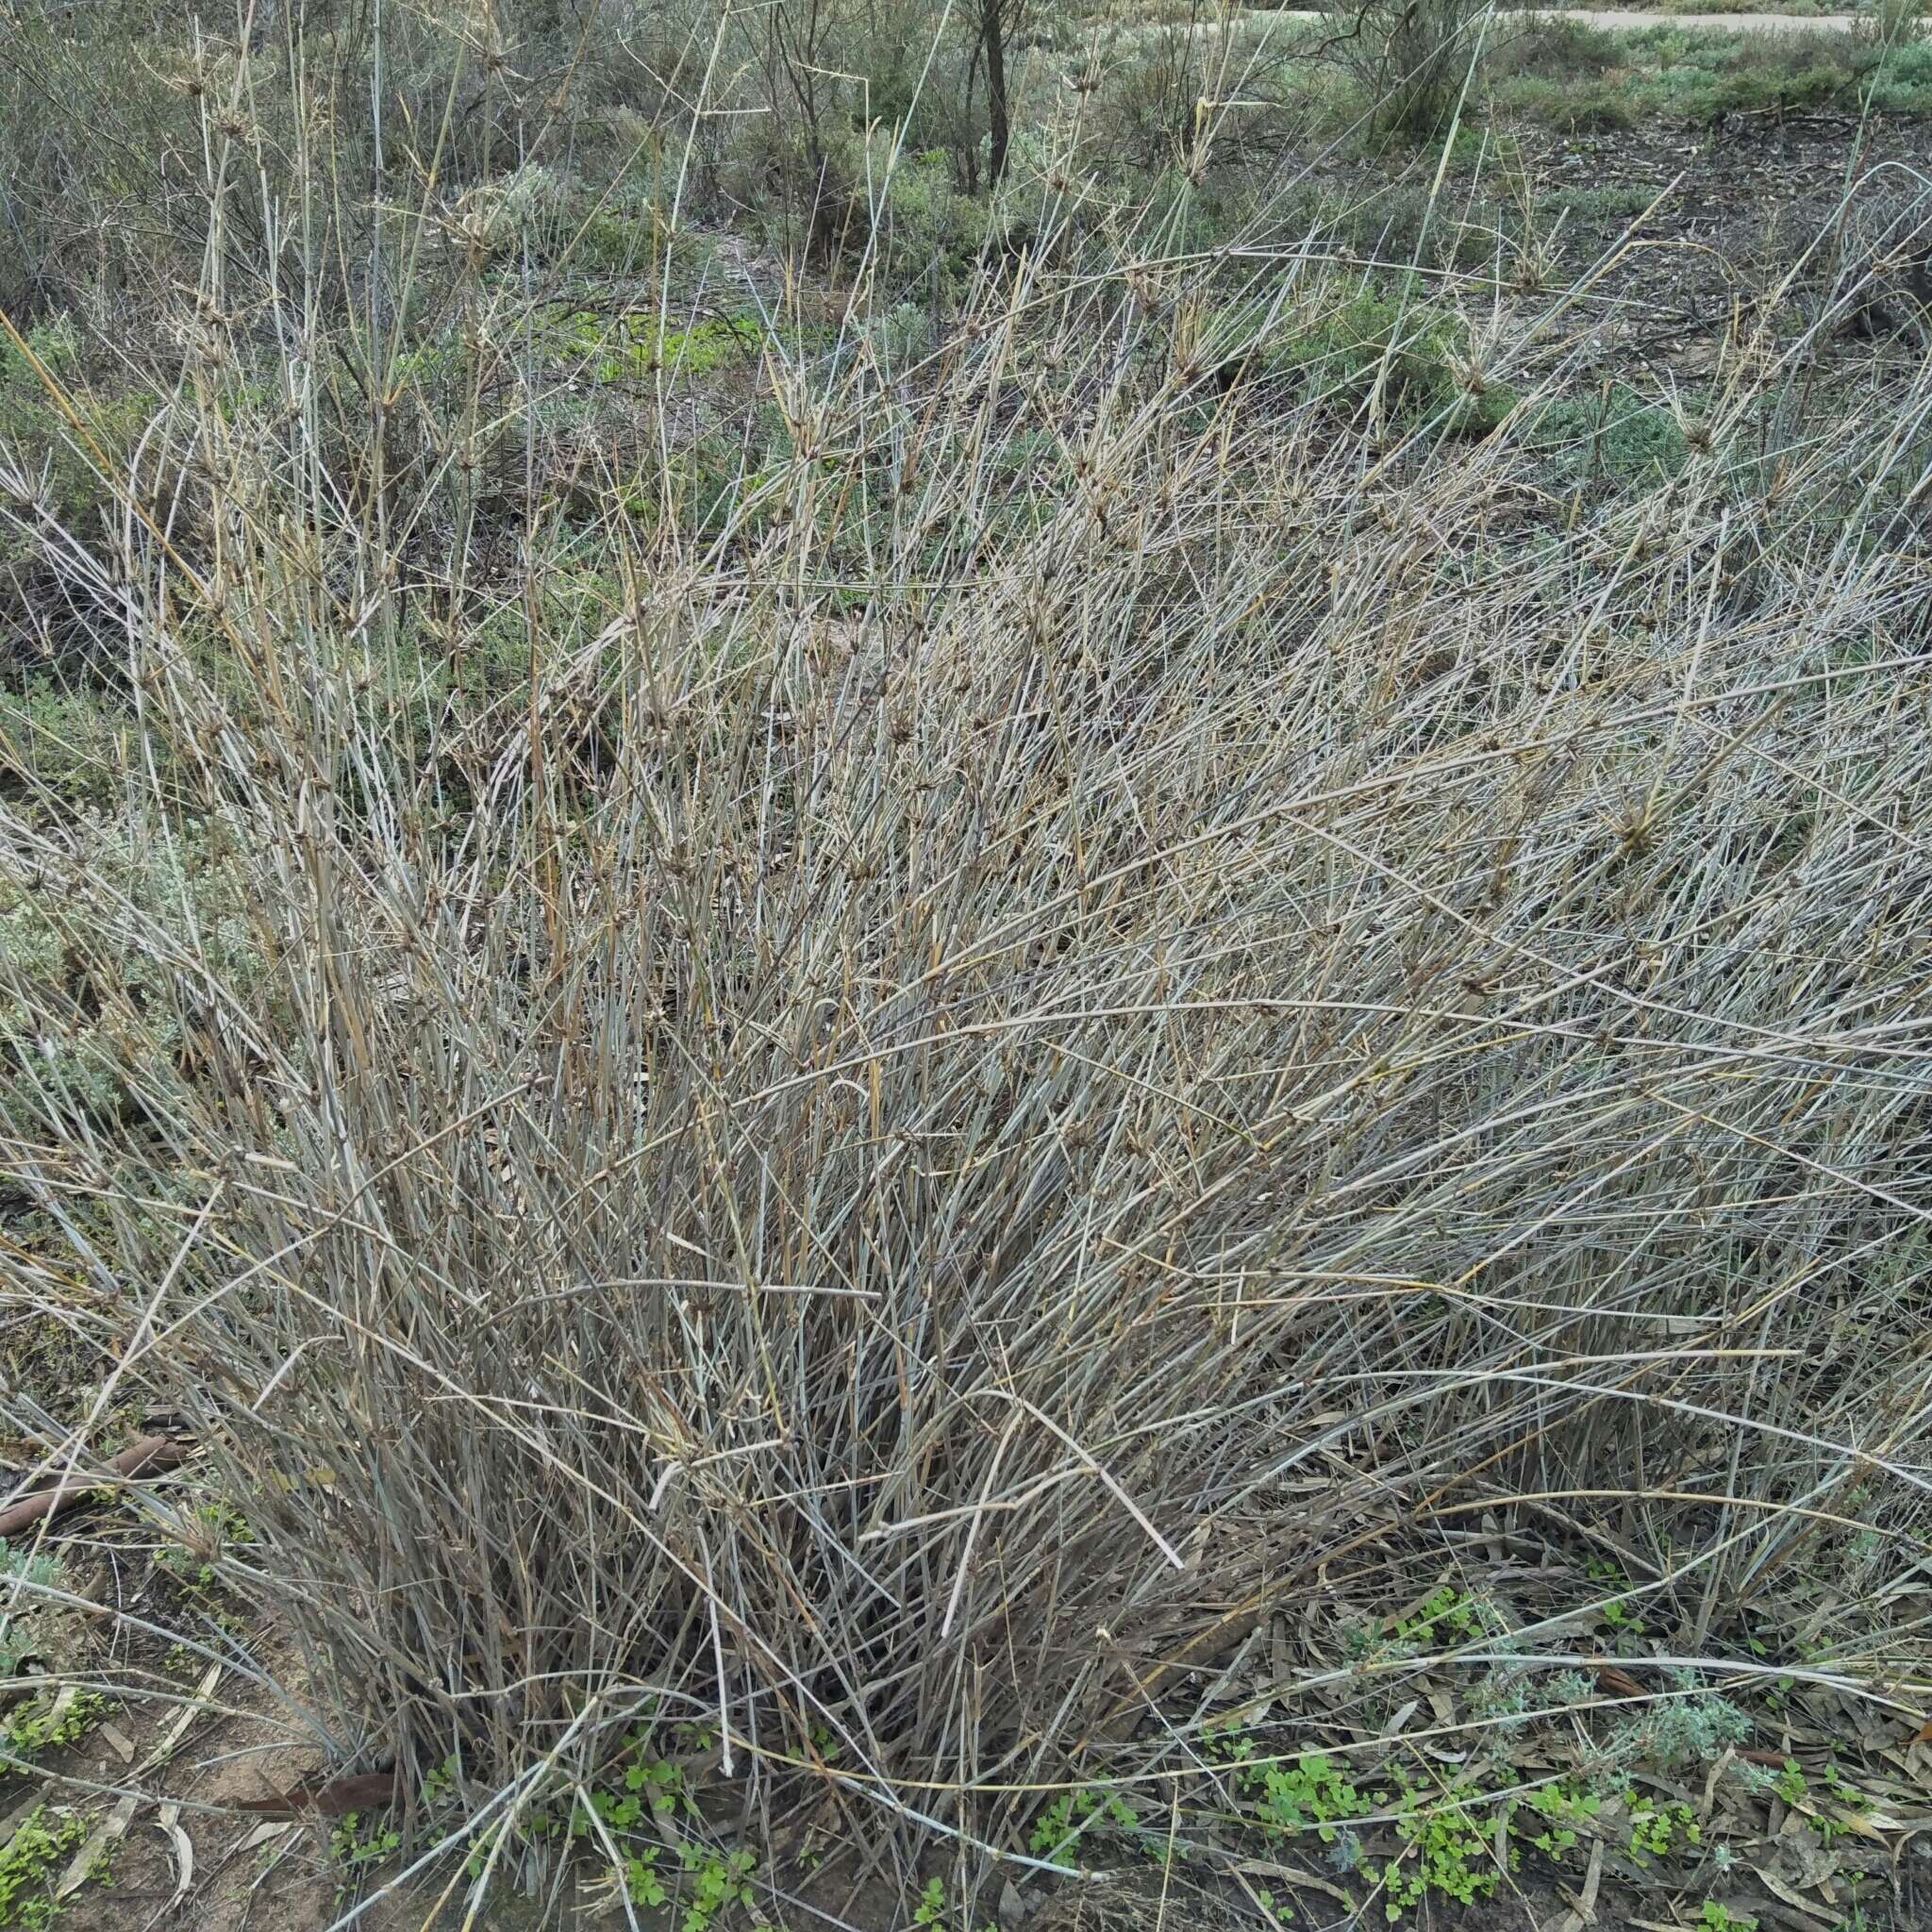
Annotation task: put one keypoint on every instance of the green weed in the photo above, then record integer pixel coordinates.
(216, 1526)
(1657, 1830)
(101, 1007)
(1449, 1616)
(634, 344)
(717, 1879)
(1310, 1795)
(641, 1884)
(39, 1727)
(1446, 1853)
(63, 743)
(1562, 1807)
(932, 1913)
(1067, 1819)
(354, 1848)
(28, 1861)
(440, 1782)
(1714, 1917)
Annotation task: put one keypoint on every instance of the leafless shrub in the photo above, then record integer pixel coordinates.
(1081, 1003)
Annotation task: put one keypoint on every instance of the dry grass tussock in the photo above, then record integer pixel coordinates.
(1091, 998)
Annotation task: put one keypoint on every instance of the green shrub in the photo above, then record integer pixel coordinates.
(1898, 77)
(89, 1029)
(1606, 206)
(1619, 436)
(1555, 45)
(1412, 59)
(46, 461)
(1892, 25)
(1594, 108)
(1387, 348)
(1404, 224)
(925, 219)
(17, 1568)
(64, 740)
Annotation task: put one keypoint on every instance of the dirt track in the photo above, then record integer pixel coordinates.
(1736, 22)
(1626, 21)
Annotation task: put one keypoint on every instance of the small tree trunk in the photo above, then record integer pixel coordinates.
(992, 37)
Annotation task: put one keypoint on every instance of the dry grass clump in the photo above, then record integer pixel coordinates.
(861, 1120)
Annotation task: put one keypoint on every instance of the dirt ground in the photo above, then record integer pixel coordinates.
(1681, 235)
